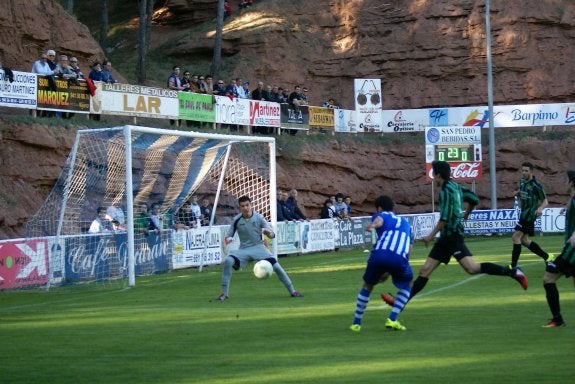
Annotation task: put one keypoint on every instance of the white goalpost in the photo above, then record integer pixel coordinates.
(126, 170)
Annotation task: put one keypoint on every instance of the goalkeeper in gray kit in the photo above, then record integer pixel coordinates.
(250, 225)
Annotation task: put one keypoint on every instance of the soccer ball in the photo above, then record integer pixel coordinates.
(263, 269)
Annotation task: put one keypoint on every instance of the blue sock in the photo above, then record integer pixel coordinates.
(361, 304)
(401, 299)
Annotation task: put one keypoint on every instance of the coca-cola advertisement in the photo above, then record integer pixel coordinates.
(459, 171)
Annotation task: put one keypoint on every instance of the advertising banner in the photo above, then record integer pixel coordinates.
(232, 111)
(191, 247)
(288, 236)
(321, 117)
(264, 114)
(351, 233)
(104, 256)
(344, 121)
(23, 263)
(63, 95)
(421, 224)
(18, 91)
(318, 235)
(135, 100)
(368, 104)
(293, 116)
(197, 107)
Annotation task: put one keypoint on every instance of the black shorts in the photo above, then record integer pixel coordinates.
(527, 227)
(447, 246)
(560, 264)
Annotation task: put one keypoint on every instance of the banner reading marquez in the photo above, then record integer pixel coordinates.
(63, 95)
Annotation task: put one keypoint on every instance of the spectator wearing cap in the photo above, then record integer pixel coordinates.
(246, 88)
(51, 54)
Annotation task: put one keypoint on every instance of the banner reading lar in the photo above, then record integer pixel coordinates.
(368, 104)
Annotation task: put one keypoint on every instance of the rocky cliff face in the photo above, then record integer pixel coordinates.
(428, 53)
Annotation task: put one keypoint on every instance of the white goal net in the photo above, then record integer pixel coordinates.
(115, 208)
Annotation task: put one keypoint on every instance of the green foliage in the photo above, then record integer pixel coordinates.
(170, 328)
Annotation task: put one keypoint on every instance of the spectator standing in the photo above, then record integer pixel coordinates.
(186, 81)
(330, 104)
(175, 84)
(206, 210)
(156, 222)
(340, 206)
(347, 201)
(209, 84)
(292, 206)
(227, 10)
(196, 210)
(219, 88)
(231, 90)
(96, 72)
(327, 211)
(296, 98)
(107, 72)
(41, 66)
(185, 218)
(51, 54)
(194, 85)
(275, 95)
(202, 84)
(63, 69)
(76, 68)
(258, 93)
(102, 223)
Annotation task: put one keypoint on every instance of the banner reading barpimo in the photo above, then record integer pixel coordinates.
(18, 90)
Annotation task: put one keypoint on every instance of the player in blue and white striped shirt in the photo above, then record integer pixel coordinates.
(389, 257)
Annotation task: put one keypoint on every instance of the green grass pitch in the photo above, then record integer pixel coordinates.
(170, 329)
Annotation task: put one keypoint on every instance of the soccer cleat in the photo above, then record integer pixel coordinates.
(355, 327)
(395, 325)
(520, 277)
(550, 258)
(389, 300)
(296, 294)
(222, 297)
(554, 324)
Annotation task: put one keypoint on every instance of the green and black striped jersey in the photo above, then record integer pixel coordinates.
(451, 199)
(530, 194)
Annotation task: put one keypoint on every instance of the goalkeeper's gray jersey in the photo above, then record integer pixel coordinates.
(249, 230)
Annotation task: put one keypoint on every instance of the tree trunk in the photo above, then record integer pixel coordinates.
(217, 58)
(70, 6)
(104, 25)
(141, 66)
(149, 14)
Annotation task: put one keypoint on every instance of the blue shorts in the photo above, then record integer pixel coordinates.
(383, 261)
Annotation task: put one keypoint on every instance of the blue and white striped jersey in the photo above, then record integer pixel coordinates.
(394, 235)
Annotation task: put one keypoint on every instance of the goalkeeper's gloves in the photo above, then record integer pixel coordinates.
(267, 232)
(228, 240)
